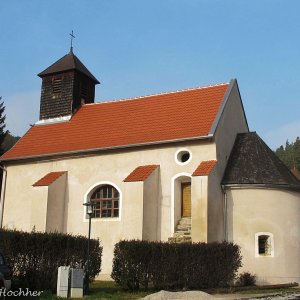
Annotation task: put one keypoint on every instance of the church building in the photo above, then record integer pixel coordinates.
(178, 166)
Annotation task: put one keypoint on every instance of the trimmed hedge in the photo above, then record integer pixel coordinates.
(172, 266)
(35, 257)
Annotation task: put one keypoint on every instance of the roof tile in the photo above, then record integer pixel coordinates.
(140, 173)
(205, 168)
(151, 119)
(49, 178)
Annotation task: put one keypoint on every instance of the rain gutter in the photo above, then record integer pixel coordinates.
(84, 152)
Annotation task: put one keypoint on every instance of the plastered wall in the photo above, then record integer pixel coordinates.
(84, 174)
(251, 211)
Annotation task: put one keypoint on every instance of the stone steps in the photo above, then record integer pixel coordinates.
(183, 227)
(182, 232)
(185, 221)
(186, 239)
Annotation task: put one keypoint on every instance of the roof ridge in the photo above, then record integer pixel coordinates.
(157, 94)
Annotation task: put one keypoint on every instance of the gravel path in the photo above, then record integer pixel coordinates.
(189, 295)
(294, 296)
(198, 295)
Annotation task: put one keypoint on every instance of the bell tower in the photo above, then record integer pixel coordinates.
(66, 85)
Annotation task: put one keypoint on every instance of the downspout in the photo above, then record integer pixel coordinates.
(225, 213)
(2, 194)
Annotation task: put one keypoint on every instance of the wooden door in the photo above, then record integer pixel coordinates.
(186, 199)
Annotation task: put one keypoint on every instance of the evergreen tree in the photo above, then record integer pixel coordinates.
(297, 153)
(3, 132)
(290, 154)
(2, 136)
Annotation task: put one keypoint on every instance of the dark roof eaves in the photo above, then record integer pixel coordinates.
(71, 69)
(75, 65)
(46, 72)
(87, 151)
(261, 185)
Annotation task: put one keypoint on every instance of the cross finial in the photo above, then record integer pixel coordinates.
(72, 37)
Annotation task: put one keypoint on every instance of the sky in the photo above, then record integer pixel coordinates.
(139, 47)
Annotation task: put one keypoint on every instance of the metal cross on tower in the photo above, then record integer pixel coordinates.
(72, 37)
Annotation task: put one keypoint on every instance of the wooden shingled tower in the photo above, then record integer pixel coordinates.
(66, 85)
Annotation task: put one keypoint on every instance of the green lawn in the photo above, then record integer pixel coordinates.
(109, 290)
(100, 290)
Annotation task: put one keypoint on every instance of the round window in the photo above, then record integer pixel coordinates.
(183, 156)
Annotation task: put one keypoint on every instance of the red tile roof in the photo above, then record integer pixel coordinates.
(151, 119)
(48, 179)
(140, 173)
(205, 168)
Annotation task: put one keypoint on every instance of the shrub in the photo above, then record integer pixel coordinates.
(246, 279)
(174, 266)
(35, 257)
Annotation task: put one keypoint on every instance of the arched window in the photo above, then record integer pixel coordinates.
(106, 202)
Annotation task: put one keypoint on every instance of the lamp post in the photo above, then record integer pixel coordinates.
(89, 210)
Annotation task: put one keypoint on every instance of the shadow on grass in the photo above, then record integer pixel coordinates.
(99, 290)
(109, 290)
(102, 290)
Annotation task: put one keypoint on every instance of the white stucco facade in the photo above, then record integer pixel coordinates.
(271, 212)
(146, 208)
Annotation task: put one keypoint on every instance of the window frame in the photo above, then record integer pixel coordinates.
(87, 198)
(106, 202)
(270, 241)
(181, 152)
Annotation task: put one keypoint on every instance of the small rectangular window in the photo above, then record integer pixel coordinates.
(263, 244)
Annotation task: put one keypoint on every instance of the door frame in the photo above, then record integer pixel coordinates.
(176, 180)
(183, 184)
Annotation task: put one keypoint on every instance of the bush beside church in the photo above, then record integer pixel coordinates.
(35, 257)
(140, 264)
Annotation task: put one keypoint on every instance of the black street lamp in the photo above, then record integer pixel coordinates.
(89, 210)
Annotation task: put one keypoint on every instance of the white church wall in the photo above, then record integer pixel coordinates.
(56, 204)
(132, 210)
(232, 122)
(84, 174)
(38, 215)
(151, 202)
(271, 212)
(199, 209)
(24, 205)
(215, 230)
